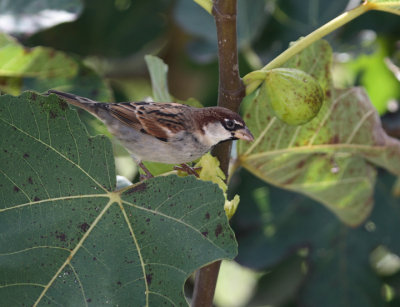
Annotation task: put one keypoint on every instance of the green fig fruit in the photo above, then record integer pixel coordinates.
(294, 96)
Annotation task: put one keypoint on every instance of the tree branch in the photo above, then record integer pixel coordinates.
(231, 89)
(230, 94)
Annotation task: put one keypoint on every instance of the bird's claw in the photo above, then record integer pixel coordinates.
(187, 169)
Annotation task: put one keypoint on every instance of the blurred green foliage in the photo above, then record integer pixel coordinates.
(110, 28)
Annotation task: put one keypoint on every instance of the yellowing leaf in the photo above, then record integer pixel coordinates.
(41, 69)
(205, 4)
(210, 171)
(17, 61)
(330, 158)
(231, 206)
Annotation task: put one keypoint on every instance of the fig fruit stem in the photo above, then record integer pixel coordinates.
(253, 79)
(319, 33)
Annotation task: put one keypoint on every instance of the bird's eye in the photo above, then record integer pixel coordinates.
(229, 124)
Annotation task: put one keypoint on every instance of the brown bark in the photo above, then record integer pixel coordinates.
(230, 94)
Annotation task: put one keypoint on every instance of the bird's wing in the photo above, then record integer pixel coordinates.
(160, 120)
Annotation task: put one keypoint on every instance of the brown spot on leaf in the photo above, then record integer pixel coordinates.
(149, 277)
(301, 164)
(63, 105)
(30, 180)
(207, 216)
(52, 114)
(290, 180)
(26, 155)
(139, 188)
(205, 233)
(328, 93)
(218, 230)
(334, 139)
(16, 189)
(62, 237)
(84, 227)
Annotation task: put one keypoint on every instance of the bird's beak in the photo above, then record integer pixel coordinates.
(244, 134)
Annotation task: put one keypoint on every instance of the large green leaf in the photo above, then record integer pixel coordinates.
(272, 223)
(330, 158)
(69, 238)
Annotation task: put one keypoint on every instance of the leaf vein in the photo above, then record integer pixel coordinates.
(328, 114)
(34, 247)
(15, 184)
(330, 183)
(54, 199)
(294, 137)
(359, 124)
(73, 252)
(260, 137)
(163, 296)
(316, 148)
(80, 284)
(135, 241)
(34, 117)
(167, 265)
(57, 152)
(38, 177)
(173, 219)
(22, 284)
(73, 137)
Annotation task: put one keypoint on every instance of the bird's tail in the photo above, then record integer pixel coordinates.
(81, 102)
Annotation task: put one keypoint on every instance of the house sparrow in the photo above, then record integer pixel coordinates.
(164, 132)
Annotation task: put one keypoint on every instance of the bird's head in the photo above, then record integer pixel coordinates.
(220, 124)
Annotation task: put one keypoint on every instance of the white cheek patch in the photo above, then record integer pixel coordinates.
(214, 133)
